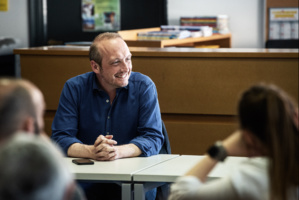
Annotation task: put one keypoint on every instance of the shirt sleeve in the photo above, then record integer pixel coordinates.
(190, 187)
(65, 123)
(150, 137)
(255, 172)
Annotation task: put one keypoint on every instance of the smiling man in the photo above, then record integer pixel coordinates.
(111, 112)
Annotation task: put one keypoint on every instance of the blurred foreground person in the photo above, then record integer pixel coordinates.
(32, 168)
(22, 107)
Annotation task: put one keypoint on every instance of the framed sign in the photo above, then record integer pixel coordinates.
(100, 15)
(3, 5)
(283, 23)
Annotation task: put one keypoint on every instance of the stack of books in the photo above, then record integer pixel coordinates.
(163, 35)
(176, 32)
(218, 23)
(196, 31)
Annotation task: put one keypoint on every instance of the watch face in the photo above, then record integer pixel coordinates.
(213, 151)
(217, 152)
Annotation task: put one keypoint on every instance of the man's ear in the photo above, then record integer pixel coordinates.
(94, 66)
(28, 125)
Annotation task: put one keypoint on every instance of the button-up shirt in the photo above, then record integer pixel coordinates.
(85, 112)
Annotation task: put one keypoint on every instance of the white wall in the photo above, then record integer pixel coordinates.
(246, 18)
(14, 22)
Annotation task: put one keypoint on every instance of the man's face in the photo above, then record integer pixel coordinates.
(116, 64)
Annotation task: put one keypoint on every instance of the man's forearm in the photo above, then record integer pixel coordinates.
(86, 151)
(81, 151)
(128, 150)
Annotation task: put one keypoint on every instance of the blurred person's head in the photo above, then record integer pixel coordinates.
(270, 117)
(21, 107)
(32, 168)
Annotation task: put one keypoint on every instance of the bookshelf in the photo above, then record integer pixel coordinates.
(130, 36)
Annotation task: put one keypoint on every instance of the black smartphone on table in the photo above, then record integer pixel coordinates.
(82, 161)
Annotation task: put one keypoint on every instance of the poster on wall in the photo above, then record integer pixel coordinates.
(100, 15)
(3, 5)
(283, 23)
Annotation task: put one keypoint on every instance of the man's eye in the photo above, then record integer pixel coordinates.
(115, 62)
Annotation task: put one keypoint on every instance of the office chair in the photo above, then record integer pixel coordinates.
(163, 190)
(165, 149)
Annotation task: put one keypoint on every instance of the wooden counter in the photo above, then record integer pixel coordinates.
(198, 88)
(130, 36)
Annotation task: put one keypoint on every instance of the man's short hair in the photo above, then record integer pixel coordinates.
(32, 168)
(15, 105)
(94, 53)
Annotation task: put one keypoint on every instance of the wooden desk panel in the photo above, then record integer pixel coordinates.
(50, 72)
(213, 85)
(198, 89)
(193, 136)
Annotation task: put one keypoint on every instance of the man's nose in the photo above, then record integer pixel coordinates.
(125, 66)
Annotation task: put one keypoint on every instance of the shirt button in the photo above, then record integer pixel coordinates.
(107, 101)
(107, 133)
(108, 117)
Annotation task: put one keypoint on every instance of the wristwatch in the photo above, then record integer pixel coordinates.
(217, 151)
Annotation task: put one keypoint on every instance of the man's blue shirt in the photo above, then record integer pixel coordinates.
(85, 112)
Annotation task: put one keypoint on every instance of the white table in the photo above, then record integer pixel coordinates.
(170, 170)
(118, 171)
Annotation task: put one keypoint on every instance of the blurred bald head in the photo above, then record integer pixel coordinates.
(21, 107)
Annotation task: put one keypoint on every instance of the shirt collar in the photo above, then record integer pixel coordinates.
(95, 83)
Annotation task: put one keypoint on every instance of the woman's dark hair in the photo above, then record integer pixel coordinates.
(271, 115)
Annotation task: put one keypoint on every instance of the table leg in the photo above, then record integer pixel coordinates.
(141, 188)
(126, 191)
(139, 192)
